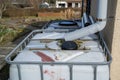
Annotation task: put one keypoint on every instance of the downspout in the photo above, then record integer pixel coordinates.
(96, 27)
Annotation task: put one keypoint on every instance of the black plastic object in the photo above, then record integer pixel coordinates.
(67, 23)
(69, 45)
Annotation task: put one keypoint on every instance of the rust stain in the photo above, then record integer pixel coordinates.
(56, 58)
(61, 79)
(52, 72)
(44, 57)
(46, 71)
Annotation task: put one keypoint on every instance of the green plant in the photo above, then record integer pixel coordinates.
(7, 34)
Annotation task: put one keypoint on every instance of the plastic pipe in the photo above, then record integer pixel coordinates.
(82, 23)
(86, 20)
(102, 9)
(98, 26)
(91, 20)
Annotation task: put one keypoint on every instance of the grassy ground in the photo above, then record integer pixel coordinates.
(8, 34)
(10, 28)
(15, 39)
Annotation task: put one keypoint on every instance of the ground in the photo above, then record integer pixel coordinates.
(5, 49)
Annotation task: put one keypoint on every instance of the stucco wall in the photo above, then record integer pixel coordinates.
(112, 34)
(115, 67)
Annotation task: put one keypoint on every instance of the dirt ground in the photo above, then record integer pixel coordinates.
(4, 73)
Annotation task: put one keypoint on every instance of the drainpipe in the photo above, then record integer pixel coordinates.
(96, 27)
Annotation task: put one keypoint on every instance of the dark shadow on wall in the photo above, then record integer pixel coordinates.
(109, 29)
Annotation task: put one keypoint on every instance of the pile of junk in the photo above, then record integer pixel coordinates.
(64, 50)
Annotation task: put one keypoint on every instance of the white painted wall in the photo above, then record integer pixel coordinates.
(73, 5)
(61, 2)
(66, 4)
(79, 5)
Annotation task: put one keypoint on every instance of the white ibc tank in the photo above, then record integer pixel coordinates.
(61, 72)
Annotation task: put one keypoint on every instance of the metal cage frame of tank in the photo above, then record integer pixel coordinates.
(22, 45)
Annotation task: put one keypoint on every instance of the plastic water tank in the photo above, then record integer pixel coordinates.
(32, 72)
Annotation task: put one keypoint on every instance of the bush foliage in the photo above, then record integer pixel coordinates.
(7, 34)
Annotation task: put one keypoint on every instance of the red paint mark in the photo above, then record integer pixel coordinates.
(44, 57)
(61, 79)
(56, 58)
(52, 72)
(46, 71)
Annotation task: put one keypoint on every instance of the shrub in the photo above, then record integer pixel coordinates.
(7, 34)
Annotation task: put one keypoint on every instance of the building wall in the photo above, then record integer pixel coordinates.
(112, 34)
(66, 4)
(115, 67)
(61, 2)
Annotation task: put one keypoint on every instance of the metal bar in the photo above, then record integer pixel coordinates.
(109, 72)
(32, 35)
(108, 52)
(21, 48)
(86, 20)
(106, 55)
(82, 22)
(19, 71)
(62, 63)
(41, 72)
(9, 58)
(28, 40)
(95, 72)
(71, 72)
(46, 25)
(25, 43)
(19, 45)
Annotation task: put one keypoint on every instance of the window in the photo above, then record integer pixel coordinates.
(76, 5)
(62, 5)
(69, 5)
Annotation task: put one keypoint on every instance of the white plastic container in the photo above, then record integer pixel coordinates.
(32, 72)
(56, 35)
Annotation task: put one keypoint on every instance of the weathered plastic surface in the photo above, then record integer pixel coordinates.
(32, 72)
